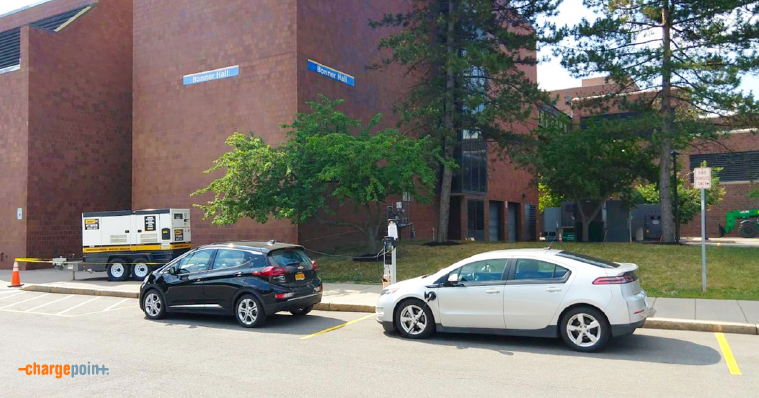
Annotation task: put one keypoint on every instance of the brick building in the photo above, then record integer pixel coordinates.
(737, 153)
(65, 122)
(146, 100)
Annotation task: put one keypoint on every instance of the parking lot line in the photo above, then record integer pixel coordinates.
(727, 353)
(109, 308)
(78, 305)
(327, 330)
(48, 303)
(23, 301)
(12, 295)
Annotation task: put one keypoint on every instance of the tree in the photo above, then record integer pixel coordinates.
(328, 156)
(591, 163)
(467, 61)
(689, 199)
(686, 53)
(548, 198)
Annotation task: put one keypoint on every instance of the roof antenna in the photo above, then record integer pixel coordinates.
(554, 237)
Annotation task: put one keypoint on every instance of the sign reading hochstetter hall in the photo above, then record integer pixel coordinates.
(210, 75)
(333, 74)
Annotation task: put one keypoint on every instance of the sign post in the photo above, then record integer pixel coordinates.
(702, 179)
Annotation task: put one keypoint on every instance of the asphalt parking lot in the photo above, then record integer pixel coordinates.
(340, 354)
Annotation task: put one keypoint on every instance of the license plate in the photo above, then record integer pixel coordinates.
(300, 276)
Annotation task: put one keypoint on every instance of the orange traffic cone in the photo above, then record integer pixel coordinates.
(16, 279)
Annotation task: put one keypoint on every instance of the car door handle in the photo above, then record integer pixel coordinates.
(553, 289)
(238, 274)
(492, 291)
(194, 278)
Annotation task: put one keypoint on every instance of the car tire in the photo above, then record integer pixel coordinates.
(140, 270)
(249, 312)
(302, 311)
(585, 329)
(118, 270)
(153, 305)
(414, 320)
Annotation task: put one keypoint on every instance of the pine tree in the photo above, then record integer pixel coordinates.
(689, 55)
(467, 62)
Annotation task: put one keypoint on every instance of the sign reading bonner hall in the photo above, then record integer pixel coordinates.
(333, 74)
(210, 75)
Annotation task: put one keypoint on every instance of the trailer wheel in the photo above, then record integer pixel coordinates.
(141, 270)
(117, 270)
(748, 229)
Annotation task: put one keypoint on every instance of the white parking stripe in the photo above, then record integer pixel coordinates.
(12, 295)
(78, 305)
(109, 308)
(23, 301)
(48, 303)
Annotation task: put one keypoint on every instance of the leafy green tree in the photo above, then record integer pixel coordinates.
(547, 197)
(591, 163)
(466, 60)
(685, 53)
(329, 157)
(754, 193)
(689, 199)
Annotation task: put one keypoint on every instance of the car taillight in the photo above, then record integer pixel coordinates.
(281, 296)
(614, 280)
(319, 288)
(270, 271)
(314, 266)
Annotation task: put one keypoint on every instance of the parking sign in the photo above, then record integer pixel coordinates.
(702, 178)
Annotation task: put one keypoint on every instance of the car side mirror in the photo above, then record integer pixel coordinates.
(453, 279)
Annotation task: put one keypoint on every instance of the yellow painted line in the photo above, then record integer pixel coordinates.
(727, 353)
(338, 326)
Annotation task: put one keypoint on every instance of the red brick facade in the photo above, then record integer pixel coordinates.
(73, 93)
(97, 118)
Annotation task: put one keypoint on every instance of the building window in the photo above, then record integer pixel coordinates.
(473, 165)
(475, 219)
(736, 166)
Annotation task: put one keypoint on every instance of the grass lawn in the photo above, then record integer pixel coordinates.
(665, 271)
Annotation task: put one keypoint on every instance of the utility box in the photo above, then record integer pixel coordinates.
(133, 242)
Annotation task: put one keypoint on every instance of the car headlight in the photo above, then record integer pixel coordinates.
(388, 291)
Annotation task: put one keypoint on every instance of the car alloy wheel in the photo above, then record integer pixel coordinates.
(413, 320)
(584, 330)
(153, 305)
(249, 312)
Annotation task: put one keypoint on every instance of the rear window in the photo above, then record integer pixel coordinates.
(285, 257)
(588, 260)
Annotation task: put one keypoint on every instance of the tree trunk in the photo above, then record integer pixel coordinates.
(587, 220)
(667, 113)
(585, 229)
(444, 210)
(371, 233)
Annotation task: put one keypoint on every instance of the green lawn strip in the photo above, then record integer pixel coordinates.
(665, 271)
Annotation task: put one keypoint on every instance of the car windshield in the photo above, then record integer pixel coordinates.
(588, 259)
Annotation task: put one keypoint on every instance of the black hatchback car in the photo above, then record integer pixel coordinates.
(248, 279)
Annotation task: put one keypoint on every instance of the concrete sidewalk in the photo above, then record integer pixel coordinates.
(737, 316)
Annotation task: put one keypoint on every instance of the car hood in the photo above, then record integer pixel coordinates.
(406, 283)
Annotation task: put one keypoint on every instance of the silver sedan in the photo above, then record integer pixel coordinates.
(526, 292)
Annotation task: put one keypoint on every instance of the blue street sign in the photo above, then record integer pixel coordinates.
(333, 74)
(210, 75)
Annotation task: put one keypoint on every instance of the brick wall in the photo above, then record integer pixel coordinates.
(179, 130)
(736, 195)
(14, 110)
(80, 85)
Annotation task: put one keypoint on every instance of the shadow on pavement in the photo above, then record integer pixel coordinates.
(637, 347)
(277, 323)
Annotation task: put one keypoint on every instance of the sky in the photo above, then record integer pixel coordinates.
(551, 75)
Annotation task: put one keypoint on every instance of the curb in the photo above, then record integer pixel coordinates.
(82, 291)
(345, 307)
(701, 326)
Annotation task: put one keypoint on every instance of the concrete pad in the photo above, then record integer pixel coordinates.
(675, 308)
(750, 310)
(719, 310)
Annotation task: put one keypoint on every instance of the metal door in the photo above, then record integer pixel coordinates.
(495, 217)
